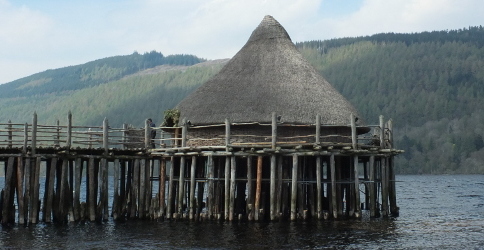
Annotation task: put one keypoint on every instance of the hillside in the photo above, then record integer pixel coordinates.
(430, 83)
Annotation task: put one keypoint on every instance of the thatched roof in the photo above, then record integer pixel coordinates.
(267, 75)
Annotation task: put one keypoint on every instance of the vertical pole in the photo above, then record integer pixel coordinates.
(294, 186)
(227, 132)
(319, 195)
(8, 204)
(69, 130)
(250, 189)
(106, 136)
(227, 187)
(192, 187)
(384, 186)
(170, 189)
(34, 133)
(57, 136)
(273, 187)
(92, 190)
(184, 132)
(181, 184)
(210, 198)
(353, 131)
(372, 187)
(333, 187)
(279, 187)
(162, 186)
(142, 188)
(26, 138)
(125, 136)
(391, 169)
(318, 129)
(36, 186)
(232, 187)
(357, 188)
(10, 136)
(258, 187)
(274, 130)
(382, 132)
(147, 134)
(20, 194)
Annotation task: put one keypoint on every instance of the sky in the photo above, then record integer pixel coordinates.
(39, 35)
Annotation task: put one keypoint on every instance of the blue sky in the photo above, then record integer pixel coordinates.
(39, 35)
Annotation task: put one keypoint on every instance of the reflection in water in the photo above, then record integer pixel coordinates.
(435, 212)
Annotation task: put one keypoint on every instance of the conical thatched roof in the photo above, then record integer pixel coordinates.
(267, 75)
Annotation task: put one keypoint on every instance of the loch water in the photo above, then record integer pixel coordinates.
(436, 211)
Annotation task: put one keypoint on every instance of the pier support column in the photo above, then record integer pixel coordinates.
(294, 187)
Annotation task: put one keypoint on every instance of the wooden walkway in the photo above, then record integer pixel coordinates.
(60, 173)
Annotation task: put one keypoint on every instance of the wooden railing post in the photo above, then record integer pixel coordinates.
(227, 132)
(125, 135)
(26, 137)
(274, 130)
(318, 129)
(106, 135)
(147, 134)
(184, 132)
(10, 136)
(69, 130)
(34, 133)
(382, 132)
(57, 135)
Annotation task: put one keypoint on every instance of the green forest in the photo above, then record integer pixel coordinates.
(431, 84)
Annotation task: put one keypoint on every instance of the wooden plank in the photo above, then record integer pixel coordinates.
(20, 189)
(294, 187)
(258, 187)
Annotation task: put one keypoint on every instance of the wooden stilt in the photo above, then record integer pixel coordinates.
(142, 188)
(77, 189)
(34, 216)
(20, 189)
(384, 186)
(279, 188)
(357, 188)
(170, 190)
(250, 190)
(135, 190)
(92, 189)
(8, 204)
(232, 188)
(181, 186)
(294, 187)
(372, 187)
(258, 188)
(162, 186)
(227, 188)
(210, 198)
(273, 188)
(115, 207)
(319, 195)
(333, 187)
(192, 187)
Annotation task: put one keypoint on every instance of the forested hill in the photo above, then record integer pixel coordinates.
(431, 84)
(91, 73)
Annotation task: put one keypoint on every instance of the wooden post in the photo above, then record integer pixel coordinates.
(20, 194)
(28, 187)
(227, 132)
(192, 187)
(92, 189)
(279, 187)
(69, 130)
(294, 187)
(372, 187)
(184, 132)
(49, 192)
(8, 204)
(10, 136)
(273, 185)
(147, 134)
(353, 131)
(334, 201)
(125, 136)
(77, 189)
(170, 189)
(63, 190)
(135, 189)
(106, 136)
(210, 198)
(162, 186)
(104, 188)
(232, 187)
(274, 131)
(34, 134)
(26, 138)
(357, 188)
(319, 194)
(382, 132)
(142, 188)
(227, 187)
(181, 184)
(258, 187)
(318, 129)
(115, 206)
(384, 186)
(57, 135)
(391, 169)
(250, 190)
(34, 216)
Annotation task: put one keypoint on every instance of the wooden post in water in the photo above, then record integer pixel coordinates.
(232, 187)
(391, 169)
(210, 198)
(181, 185)
(319, 193)
(227, 172)
(162, 186)
(272, 190)
(69, 130)
(20, 194)
(8, 204)
(192, 187)
(258, 188)
(294, 187)
(34, 217)
(357, 188)
(250, 190)
(34, 134)
(334, 200)
(372, 187)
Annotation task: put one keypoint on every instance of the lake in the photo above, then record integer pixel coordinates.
(436, 211)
